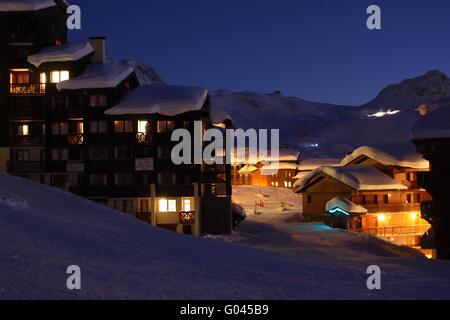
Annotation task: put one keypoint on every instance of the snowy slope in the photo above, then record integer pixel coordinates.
(43, 231)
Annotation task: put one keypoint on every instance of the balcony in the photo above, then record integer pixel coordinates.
(391, 207)
(390, 231)
(27, 89)
(75, 138)
(17, 167)
(144, 138)
(26, 113)
(28, 140)
(187, 217)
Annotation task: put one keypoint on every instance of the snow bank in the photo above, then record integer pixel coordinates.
(160, 99)
(25, 5)
(98, 76)
(399, 155)
(72, 51)
(358, 177)
(9, 200)
(434, 125)
(346, 205)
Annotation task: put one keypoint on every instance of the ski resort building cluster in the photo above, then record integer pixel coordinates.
(72, 119)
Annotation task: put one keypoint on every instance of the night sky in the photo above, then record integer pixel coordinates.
(319, 50)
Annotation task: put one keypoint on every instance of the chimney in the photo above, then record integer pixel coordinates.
(99, 45)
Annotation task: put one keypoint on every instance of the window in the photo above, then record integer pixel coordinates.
(363, 200)
(99, 153)
(309, 199)
(375, 199)
(164, 153)
(142, 179)
(187, 205)
(60, 155)
(167, 205)
(408, 198)
(22, 155)
(123, 179)
(60, 128)
(76, 127)
(166, 126)
(98, 180)
(98, 100)
(98, 127)
(123, 153)
(385, 199)
(408, 176)
(123, 205)
(418, 198)
(59, 76)
(60, 102)
(43, 78)
(143, 126)
(123, 126)
(22, 77)
(167, 179)
(23, 130)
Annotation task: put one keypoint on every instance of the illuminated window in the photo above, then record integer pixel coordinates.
(123, 126)
(60, 128)
(59, 76)
(166, 205)
(142, 126)
(43, 78)
(165, 126)
(23, 130)
(187, 205)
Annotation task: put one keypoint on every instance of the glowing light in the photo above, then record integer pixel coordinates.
(381, 218)
(338, 210)
(413, 216)
(383, 113)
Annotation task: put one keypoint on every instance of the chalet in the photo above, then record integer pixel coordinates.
(389, 203)
(309, 164)
(267, 172)
(80, 122)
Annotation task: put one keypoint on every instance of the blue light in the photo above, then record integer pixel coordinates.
(337, 210)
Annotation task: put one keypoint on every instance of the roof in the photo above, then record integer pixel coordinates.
(160, 99)
(435, 125)
(248, 168)
(357, 177)
(310, 164)
(98, 76)
(403, 155)
(72, 51)
(25, 5)
(272, 168)
(344, 205)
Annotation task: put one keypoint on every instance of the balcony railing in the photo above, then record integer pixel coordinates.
(26, 166)
(391, 207)
(143, 138)
(27, 140)
(187, 217)
(396, 230)
(27, 89)
(75, 138)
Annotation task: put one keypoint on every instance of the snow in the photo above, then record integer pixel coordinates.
(345, 204)
(434, 125)
(272, 168)
(160, 99)
(248, 168)
(397, 155)
(310, 164)
(123, 258)
(98, 76)
(145, 74)
(358, 177)
(72, 51)
(25, 5)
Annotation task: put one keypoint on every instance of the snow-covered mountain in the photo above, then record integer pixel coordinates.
(410, 93)
(320, 129)
(146, 75)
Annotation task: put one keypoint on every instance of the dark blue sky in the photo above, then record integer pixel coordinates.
(318, 49)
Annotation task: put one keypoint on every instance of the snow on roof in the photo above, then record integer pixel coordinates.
(218, 114)
(161, 99)
(358, 177)
(98, 76)
(434, 125)
(310, 164)
(25, 5)
(248, 168)
(403, 155)
(299, 175)
(272, 168)
(71, 51)
(345, 205)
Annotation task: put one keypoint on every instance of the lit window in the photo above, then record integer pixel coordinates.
(43, 77)
(186, 204)
(142, 126)
(24, 130)
(167, 205)
(58, 76)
